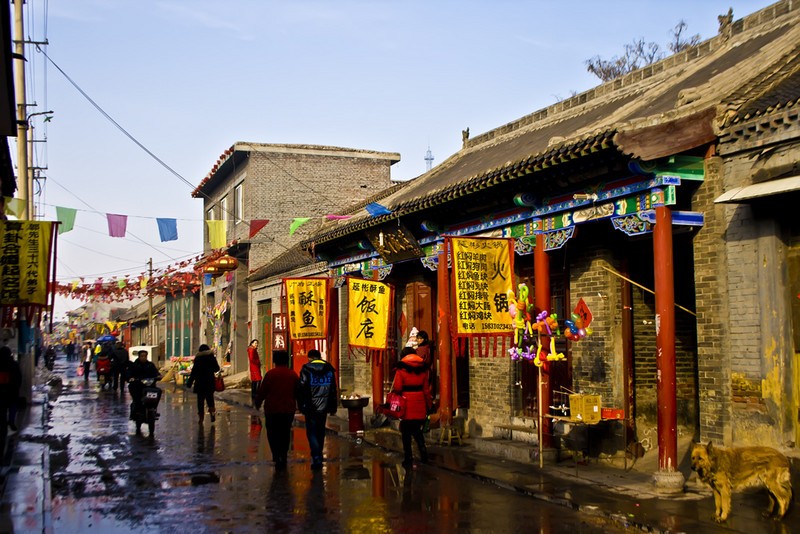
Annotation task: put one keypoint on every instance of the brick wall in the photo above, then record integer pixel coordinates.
(490, 386)
(711, 298)
(597, 358)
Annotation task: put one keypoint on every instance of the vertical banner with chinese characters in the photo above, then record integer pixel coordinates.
(307, 307)
(25, 248)
(279, 341)
(483, 271)
(368, 313)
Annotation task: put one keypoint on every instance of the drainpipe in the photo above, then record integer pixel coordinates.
(541, 300)
(443, 345)
(668, 479)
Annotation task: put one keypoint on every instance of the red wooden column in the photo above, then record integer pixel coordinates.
(377, 368)
(333, 328)
(665, 348)
(541, 300)
(443, 338)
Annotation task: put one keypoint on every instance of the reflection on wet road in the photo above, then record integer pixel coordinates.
(219, 478)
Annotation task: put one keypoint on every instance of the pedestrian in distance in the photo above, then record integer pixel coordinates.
(87, 355)
(119, 367)
(70, 351)
(411, 381)
(277, 392)
(10, 382)
(317, 396)
(204, 367)
(255, 369)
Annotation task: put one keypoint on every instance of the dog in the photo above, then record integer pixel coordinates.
(732, 469)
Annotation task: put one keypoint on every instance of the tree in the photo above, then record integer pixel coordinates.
(639, 54)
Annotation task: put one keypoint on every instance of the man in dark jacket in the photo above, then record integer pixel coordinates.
(204, 367)
(10, 381)
(119, 366)
(139, 369)
(317, 396)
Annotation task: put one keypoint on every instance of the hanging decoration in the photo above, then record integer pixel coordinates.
(184, 277)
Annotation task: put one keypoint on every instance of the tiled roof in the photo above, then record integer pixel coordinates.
(686, 92)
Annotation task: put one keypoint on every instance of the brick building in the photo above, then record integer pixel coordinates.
(257, 182)
(664, 199)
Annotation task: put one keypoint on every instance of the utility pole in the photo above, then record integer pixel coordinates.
(22, 119)
(150, 303)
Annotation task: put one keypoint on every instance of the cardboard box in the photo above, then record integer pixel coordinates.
(585, 408)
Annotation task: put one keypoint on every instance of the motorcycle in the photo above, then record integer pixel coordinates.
(146, 412)
(103, 367)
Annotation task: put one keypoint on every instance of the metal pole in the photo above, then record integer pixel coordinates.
(150, 304)
(22, 121)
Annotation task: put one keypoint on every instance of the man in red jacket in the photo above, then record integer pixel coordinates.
(277, 393)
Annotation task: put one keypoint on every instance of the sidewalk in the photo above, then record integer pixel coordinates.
(627, 498)
(25, 480)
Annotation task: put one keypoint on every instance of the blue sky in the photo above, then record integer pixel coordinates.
(187, 79)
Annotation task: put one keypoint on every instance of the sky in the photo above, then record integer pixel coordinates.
(186, 79)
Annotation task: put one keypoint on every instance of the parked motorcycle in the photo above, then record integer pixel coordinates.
(146, 412)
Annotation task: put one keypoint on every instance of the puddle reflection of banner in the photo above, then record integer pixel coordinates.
(25, 256)
(482, 278)
(368, 313)
(307, 307)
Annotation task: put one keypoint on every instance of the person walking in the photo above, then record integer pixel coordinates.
(277, 391)
(87, 355)
(204, 368)
(317, 396)
(255, 369)
(10, 382)
(411, 381)
(119, 367)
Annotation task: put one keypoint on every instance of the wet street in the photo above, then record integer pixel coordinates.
(220, 478)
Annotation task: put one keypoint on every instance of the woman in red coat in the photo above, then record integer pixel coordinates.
(411, 380)
(255, 369)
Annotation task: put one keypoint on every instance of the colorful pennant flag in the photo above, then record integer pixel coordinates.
(66, 216)
(14, 206)
(297, 223)
(375, 209)
(217, 233)
(256, 225)
(167, 229)
(331, 217)
(117, 224)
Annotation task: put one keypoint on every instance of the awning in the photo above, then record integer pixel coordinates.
(750, 192)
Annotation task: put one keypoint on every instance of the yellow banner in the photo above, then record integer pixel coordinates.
(24, 262)
(307, 302)
(482, 276)
(368, 313)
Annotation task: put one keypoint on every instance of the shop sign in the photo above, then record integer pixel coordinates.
(307, 306)
(368, 313)
(24, 262)
(482, 282)
(394, 243)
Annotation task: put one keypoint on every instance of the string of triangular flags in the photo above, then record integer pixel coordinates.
(180, 278)
(168, 227)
